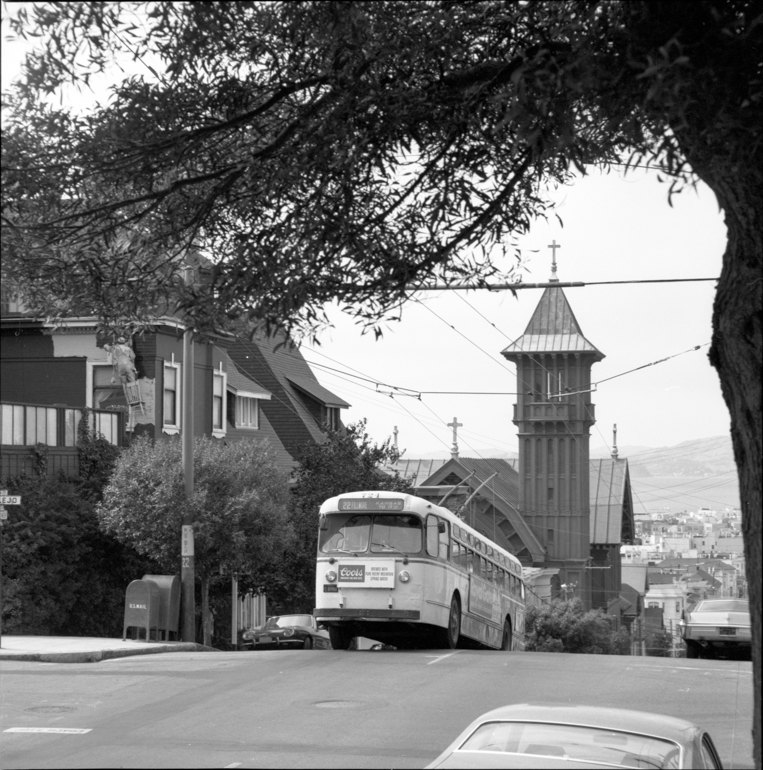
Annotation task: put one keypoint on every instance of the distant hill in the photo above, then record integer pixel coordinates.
(699, 457)
(693, 474)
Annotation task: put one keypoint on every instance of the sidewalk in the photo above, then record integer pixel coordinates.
(83, 649)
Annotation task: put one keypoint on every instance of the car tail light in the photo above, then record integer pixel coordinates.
(331, 576)
(404, 576)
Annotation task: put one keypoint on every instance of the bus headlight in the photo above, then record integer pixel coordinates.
(331, 576)
(404, 576)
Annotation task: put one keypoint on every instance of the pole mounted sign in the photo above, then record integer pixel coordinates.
(5, 499)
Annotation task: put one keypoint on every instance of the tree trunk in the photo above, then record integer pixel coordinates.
(737, 355)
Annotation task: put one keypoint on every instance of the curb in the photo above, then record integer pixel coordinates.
(95, 656)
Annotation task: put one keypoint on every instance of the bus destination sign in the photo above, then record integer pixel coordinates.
(371, 504)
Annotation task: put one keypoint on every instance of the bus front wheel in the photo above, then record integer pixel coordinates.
(454, 623)
(506, 638)
(341, 637)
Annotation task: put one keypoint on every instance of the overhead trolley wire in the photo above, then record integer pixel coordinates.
(547, 284)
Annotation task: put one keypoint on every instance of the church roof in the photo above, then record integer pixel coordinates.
(610, 502)
(553, 328)
(502, 492)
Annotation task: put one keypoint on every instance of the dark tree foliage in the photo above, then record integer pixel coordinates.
(565, 626)
(347, 462)
(61, 574)
(238, 506)
(347, 150)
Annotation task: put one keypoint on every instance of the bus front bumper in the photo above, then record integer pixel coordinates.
(330, 613)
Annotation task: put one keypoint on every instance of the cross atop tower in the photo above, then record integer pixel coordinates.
(454, 449)
(553, 246)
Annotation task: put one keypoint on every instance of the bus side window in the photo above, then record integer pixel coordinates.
(455, 552)
(433, 536)
(470, 559)
(444, 539)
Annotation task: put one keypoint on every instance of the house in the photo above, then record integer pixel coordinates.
(260, 389)
(669, 594)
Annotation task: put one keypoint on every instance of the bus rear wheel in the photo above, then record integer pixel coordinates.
(453, 631)
(341, 637)
(506, 637)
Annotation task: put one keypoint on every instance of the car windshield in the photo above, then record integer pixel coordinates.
(723, 605)
(575, 742)
(384, 533)
(289, 620)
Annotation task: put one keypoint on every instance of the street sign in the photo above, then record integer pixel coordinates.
(6, 499)
(3, 514)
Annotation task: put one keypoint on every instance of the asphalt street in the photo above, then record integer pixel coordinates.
(310, 709)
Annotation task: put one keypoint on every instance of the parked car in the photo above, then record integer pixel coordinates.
(288, 632)
(718, 627)
(551, 736)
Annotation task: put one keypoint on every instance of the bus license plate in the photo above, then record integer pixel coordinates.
(327, 589)
(727, 631)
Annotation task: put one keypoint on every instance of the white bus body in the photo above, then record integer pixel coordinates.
(403, 571)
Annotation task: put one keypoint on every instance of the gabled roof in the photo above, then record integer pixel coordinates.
(660, 578)
(629, 600)
(610, 501)
(276, 363)
(314, 389)
(553, 328)
(636, 576)
(700, 574)
(239, 383)
(418, 470)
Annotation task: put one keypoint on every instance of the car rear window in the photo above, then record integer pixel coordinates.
(574, 742)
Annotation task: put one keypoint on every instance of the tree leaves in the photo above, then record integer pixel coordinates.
(238, 506)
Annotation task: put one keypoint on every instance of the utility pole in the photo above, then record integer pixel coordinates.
(187, 570)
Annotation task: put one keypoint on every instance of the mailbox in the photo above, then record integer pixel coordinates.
(169, 602)
(142, 605)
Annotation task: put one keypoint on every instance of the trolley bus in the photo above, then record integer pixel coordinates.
(404, 571)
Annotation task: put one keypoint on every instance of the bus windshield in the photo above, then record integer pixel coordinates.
(387, 533)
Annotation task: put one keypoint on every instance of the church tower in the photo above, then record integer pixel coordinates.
(554, 415)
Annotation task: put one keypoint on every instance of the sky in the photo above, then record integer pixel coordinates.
(616, 227)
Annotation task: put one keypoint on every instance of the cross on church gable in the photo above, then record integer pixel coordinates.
(455, 425)
(553, 246)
